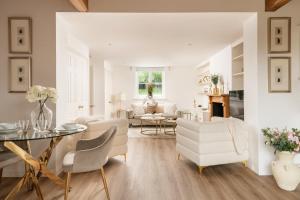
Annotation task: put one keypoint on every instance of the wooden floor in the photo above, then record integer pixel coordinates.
(152, 172)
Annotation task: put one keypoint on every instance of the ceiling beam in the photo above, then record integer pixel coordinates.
(273, 5)
(80, 5)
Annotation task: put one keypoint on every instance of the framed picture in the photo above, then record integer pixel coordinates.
(19, 74)
(20, 34)
(279, 35)
(279, 74)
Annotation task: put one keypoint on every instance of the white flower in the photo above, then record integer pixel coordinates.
(40, 93)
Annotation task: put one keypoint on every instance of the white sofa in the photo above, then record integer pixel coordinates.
(97, 127)
(212, 143)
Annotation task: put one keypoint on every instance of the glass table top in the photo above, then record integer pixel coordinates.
(35, 135)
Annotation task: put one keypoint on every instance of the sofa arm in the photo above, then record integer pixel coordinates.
(127, 114)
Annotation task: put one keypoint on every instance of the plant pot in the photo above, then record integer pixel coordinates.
(41, 117)
(285, 172)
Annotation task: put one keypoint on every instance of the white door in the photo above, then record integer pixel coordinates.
(108, 90)
(78, 86)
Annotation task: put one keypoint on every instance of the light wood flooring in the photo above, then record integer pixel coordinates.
(152, 172)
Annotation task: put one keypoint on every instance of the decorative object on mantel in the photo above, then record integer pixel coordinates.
(19, 74)
(20, 35)
(279, 74)
(286, 145)
(215, 79)
(279, 34)
(41, 115)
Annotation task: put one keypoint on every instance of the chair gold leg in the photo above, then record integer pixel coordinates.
(178, 156)
(200, 169)
(104, 182)
(125, 157)
(67, 184)
(245, 163)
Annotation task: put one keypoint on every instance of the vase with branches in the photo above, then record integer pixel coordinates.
(41, 115)
(215, 80)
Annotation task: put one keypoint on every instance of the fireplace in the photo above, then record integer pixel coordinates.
(219, 105)
(217, 110)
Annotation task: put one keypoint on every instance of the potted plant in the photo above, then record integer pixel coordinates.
(41, 115)
(215, 79)
(286, 144)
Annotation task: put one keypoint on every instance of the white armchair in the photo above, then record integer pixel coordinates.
(212, 143)
(97, 127)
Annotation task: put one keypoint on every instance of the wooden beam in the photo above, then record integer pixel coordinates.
(273, 5)
(80, 5)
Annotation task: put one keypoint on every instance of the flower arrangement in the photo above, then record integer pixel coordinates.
(41, 94)
(41, 116)
(150, 89)
(285, 140)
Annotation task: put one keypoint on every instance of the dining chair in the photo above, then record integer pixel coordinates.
(90, 155)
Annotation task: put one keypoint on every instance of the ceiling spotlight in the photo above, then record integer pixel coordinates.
(109, 44)
(189, 44)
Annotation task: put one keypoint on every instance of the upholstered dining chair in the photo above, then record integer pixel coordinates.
(90, 155)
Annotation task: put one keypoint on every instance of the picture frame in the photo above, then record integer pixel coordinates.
(20, 35)
(279, 35)
(20, 74)
(279, 74)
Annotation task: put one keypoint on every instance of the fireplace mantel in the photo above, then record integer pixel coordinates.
(223, 99)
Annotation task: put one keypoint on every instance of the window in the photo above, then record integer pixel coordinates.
(144, 76)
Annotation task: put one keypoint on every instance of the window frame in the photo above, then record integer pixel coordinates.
(150, 70)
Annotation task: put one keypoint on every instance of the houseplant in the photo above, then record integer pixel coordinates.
(41, 115)
(215, 79)
(286, 144)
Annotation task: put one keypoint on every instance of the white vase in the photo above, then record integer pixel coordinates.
(285, 172)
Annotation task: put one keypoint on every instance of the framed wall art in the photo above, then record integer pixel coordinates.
(280, 74)
(19, 74)
(20, 35)
(279, 35)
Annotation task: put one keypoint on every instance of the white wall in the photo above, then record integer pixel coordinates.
(276, 110)
(180, 85)
(251, 87)
(221, 63)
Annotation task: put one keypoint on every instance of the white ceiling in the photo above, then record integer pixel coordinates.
(156, 39)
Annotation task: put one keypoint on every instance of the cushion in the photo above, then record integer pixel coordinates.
(170, 108)
(159, 108)
(138, 109)
(68, 161)
(151, 108)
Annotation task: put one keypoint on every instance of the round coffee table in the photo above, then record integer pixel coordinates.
(155, 120)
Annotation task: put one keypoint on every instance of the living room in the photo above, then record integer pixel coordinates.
(169, 62)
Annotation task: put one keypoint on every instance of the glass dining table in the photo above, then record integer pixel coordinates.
(34, 168)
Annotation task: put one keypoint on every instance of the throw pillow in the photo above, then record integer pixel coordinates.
(151, 108)
(170, 108)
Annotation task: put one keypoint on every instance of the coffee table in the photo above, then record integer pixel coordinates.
(155, 120)
(171, 122)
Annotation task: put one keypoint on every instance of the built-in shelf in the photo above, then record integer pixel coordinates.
(238, 57)
(238, 74)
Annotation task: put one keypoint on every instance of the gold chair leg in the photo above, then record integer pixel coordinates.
(200, 169)
(104, 182)
(67, 184)
(245, 163)
(125, 157)
(178, 156)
